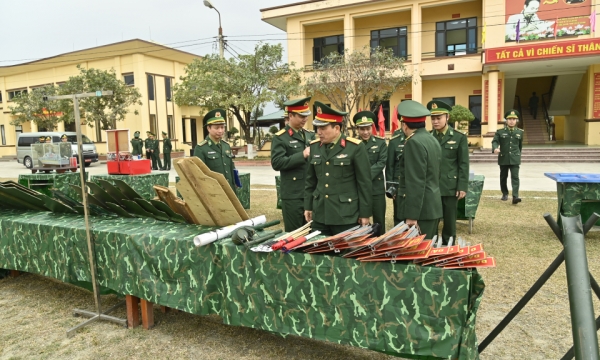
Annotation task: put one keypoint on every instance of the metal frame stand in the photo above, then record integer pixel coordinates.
(542, 280)
(98, 315)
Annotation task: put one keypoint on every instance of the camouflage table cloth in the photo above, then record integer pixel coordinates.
(243, 194)
(467, 207)
(142, 184)
(578, 198)
(399, 309)
(45, 182)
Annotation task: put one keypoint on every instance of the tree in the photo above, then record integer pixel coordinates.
(353, 80)
(463, 116)
(273, 129)
(241, 85)
(105, 110)
(32, 107)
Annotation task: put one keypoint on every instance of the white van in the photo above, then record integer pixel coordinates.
(25, 140)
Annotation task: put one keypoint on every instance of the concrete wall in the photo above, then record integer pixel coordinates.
(574, 124)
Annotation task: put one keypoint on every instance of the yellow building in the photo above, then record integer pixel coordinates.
(151, 67)
(454, 51)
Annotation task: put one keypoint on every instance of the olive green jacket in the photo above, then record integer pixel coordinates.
(454, 168)
(66, 150)
(420, 178)
(155, 145)
(510, 144)
(218, 159)
(167, 146)
(377, 153)
(136, 145)
(395, 152)
(287, 157)
(338, 183)
(148, 144)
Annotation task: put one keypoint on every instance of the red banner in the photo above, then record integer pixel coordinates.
(596, 103)
(553, 50)
(486, 96)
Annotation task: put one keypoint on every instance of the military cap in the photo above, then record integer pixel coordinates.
(412, 111)
(63, 136)
(326, 115)
(148, 132)
(298, 106)
(164, 133)
(437, 107)
(43, 138)
(285, 112)
(48, 138)
(214, 117)
(136, 134)
(512, 114)
(363, 118)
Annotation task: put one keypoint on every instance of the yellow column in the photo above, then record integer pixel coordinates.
(415, 39)
(492, 108)
(34, 127)
(61, 127)
(349, 32)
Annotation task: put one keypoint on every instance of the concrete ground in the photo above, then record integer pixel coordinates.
(531, 174)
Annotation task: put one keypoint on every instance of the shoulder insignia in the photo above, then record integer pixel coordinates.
(315, 141)
(310, 131)
(378, 137)
(202, 143)
(411, 135)
(395, 136)
(353, 140)
(280, 132)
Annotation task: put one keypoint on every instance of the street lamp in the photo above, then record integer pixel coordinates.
(209, 5)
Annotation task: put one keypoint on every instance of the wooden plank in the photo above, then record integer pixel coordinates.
(224, 185)
(191, 198)
(147, 314)
(208, 192)
(15, 273)
(178, 206)
(133, 311)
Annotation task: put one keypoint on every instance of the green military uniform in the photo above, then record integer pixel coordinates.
(338, 187)
(377, 153)
(166, 152)
(39, 149)
(66, 151)
(287, 157)
(147, 145)
(510, 142)
(136, 144)
(155, 153)
(216, 155)
(419, 190)
(454, 168)
(392, 167)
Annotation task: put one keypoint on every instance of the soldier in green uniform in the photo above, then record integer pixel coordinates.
(454, 168)
(377, 153)
(420, 201)
(155, 152)
(147, 143)
(508, 143)
(214, 151)
(166, 151)
(392, 168)
(136, 144)
(338, 188)
(39, 149)
(66, 151)
(289, 154)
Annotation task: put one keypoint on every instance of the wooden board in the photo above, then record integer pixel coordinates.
(178, 206)
(206, 193)
(191, 198)
(224, 185)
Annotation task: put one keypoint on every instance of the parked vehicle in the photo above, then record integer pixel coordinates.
(25, 140)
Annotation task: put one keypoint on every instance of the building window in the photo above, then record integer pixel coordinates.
(3, 134)
(170, 126)
(16, 93)
(70, 126)
(394, 39)
(168, 90)
(386, 113)
(475, 107)
(456, 37)
(327, 45)
(153, 124)
(128, 79)
(184, 135)
(18, 129)
(0, 96)
(150, 87)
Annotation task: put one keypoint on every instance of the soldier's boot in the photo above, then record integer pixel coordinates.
(516, 200)
(505, 197)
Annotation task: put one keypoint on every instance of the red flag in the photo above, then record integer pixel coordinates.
(555, 27)
(373, 129)
(381, 122)
(395, 122)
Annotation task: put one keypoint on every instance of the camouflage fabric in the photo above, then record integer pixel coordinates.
(467, 207)
(400, 309)
(142, 184)
(243, 194)
(278, 186)
(578, 199)
(52, 180)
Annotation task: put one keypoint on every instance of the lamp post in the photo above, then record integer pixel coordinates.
(209, 5)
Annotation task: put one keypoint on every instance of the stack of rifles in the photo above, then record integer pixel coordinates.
(401, 243)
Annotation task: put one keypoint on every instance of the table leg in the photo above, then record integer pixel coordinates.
(164, 309)
(470, 226)
(15, 273)
(147, 314)
(133, 311)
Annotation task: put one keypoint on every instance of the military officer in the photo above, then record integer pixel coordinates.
(419, 186)
(39, 149)
(377, 153)
(454, 168)
(508, 143)
(338, 187)
(65, 147)
(136, 144)
(392, 168)
(147, 143)
(289, 154)
(166, 151)
(214, 151)
(155, 152)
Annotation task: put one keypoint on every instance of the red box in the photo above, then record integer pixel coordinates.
(136, 167)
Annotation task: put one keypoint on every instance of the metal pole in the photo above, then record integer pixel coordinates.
(571, 353)
(221, 40)
(583, 326)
